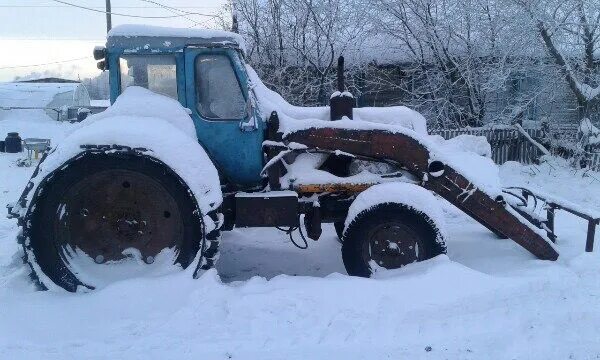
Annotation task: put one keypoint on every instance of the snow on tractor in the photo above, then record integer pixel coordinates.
(195, 144)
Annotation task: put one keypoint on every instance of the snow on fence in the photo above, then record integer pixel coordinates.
(592, 156)
(508, 144)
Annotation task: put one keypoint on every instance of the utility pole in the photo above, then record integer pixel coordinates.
(108, 17)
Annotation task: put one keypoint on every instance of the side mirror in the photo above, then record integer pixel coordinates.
(249, 121)
(99, 52)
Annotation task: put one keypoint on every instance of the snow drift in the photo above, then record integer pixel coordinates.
(142, 119)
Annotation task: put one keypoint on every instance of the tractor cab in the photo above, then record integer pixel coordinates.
(204, 70)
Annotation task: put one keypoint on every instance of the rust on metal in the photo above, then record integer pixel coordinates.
(452, 186)
(111, 211)
(331, 188)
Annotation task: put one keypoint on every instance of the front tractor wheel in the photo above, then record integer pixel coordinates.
(111, 216)
(389, 236)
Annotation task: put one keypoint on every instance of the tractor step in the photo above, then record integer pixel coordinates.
(268, 209)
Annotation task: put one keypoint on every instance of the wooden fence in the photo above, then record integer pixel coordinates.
(507, 144)
(592, 156)
(510, 145)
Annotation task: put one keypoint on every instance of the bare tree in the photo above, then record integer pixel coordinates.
(460, 52)
(570, 32)
(294, 44)
(461, 63)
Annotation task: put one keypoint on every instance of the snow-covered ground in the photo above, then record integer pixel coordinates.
(488, 299)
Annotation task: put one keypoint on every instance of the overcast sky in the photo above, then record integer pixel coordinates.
(43, 31)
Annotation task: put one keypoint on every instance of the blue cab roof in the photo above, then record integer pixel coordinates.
(145, 38)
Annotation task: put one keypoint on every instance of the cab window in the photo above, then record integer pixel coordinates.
(218, 92)
(156, 73)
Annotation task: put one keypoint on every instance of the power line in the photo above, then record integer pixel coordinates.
(100, 7)
(51, 39)
(130, 15)
(172, 10)
(45, 64)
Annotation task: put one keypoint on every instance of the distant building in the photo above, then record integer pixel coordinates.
(49, 80)
(51, 95)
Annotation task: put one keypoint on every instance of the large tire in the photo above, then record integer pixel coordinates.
(390, 236)
(143, 205)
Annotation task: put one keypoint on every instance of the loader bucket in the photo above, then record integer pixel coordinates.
(438, 177)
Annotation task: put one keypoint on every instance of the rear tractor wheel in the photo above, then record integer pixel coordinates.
(389, 236)
(112, 216)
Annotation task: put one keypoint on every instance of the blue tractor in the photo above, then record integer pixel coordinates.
(194, 145)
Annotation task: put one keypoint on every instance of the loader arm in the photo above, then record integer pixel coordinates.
(494, 214)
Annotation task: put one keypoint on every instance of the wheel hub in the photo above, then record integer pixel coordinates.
(110, 212)
(393, 245)
(130, 228)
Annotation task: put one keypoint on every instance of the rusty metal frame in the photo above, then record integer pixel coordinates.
(451, 185)
(551, 207)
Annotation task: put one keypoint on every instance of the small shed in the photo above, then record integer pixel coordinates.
(52, 97)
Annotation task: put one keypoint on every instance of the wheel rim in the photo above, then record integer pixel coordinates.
(392, 245)
(114, 214)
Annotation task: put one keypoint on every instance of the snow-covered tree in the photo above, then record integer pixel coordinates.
(294, 44)
(570, 32)
(460, 53)
(461, 63)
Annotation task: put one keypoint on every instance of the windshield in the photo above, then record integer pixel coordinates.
(153, 72)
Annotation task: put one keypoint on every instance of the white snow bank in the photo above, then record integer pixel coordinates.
(33, 124)
(288, 316)
(101, 276)
(304, 170)
(393, 115)
(269, 101)
(141, 119)
(487, 300)
(137, 101)
(467, 143)
(556, 180)
(413, 196)
(587, 133)
(100, 103)
(471, 156)
(479, 170)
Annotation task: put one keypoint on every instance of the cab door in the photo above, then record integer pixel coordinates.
(226, 125)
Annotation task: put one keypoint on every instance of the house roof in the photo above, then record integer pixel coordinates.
(49, 80)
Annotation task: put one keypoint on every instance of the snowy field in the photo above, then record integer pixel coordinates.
(487, 299)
